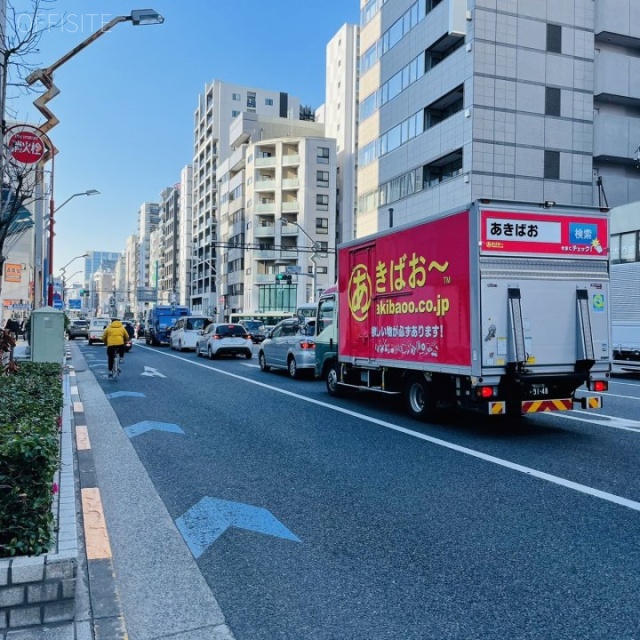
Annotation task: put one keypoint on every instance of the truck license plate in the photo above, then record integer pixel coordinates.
(539, 390)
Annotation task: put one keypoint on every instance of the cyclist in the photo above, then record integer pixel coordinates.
(115, 336)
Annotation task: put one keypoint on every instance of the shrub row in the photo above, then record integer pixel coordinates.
(30, 407)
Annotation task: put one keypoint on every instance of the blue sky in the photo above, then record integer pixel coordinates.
(126, 102)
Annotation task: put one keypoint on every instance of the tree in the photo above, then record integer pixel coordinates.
(20, 34)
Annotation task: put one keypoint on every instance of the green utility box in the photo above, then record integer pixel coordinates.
(47, 335)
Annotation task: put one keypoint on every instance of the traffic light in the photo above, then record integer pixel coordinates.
(83, 292)
(283, 277)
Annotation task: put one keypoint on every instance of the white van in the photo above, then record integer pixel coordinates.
(186, 330)
(96, 329)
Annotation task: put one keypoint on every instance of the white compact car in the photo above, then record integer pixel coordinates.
(224, 339)
(186, 331)
(96, 329)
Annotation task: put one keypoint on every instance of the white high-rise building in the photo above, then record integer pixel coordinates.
(185, 239)
(467, 99)
(277, 198)
(217, 107)
(339, 114)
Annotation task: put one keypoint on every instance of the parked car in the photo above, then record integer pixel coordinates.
(78, 329)
(186, 331)
(96, 329)
(224, 339)
(256, 329)
(290, 347)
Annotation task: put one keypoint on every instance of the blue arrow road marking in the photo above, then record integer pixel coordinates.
(148, 425)
(206, 521)
(122, 394)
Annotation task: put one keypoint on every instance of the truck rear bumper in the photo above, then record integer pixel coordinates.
(544, 406)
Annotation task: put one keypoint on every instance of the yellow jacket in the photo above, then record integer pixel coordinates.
(115, 335)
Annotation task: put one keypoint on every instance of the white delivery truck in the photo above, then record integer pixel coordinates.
(625, 316)
(497, 306)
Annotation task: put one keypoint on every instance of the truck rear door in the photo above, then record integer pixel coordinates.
(544, 291)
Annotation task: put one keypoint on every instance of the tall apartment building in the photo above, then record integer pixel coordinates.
(131, 261)
(217, 107)
(146, 268)
(169, 238)
(339, 115)
(185, 242)
(277, 200)
(469, 99)
(94, 262)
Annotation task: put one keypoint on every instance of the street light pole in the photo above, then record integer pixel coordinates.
(45, 77)
(313, 257)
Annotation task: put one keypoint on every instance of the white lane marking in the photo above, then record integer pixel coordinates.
(608, 394)
(628, 384)
(604, 420)
(152, 373)
(253, 366)
(563, 482)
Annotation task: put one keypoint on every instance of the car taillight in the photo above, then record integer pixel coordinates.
(217, 337)
(307, 345)
(485, 392)
(599, 385)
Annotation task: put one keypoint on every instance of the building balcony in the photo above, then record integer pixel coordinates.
(291, 205)
(265, 162)
(264, 278)
(291, 183)
(289, 230)
(266, 254)
(290, 159)
(264, 185)
(264, 230)
(265, 207)
(291, 253)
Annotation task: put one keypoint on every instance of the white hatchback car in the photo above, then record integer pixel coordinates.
(224, 339)
(96, 329)
(186, 331)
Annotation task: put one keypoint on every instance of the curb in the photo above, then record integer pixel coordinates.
(106, 609)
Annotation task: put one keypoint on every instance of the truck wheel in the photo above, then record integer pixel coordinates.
(334, 388)
(418, 400)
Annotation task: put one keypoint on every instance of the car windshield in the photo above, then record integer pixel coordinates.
(254, 325)
(195, 323)
(231, 331)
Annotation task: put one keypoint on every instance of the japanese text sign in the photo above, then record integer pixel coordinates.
(552, 234)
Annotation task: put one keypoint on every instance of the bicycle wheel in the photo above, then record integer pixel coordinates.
(115, 371)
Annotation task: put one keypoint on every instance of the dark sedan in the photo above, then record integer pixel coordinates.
(255, 329)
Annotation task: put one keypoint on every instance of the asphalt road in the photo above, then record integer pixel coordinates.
(374, 526)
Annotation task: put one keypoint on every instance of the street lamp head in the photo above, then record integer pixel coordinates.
(145, 16)
(91, 192)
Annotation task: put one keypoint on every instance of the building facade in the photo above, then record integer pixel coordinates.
(483, 99)
(217, 107)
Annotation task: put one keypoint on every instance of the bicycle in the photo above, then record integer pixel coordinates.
(115, 368)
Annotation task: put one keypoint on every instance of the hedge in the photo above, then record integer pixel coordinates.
(30, 408)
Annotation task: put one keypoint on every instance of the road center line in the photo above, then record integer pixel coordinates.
(568, 484)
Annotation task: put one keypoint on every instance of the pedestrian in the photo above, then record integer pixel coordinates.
(115, 336)
(13, 326)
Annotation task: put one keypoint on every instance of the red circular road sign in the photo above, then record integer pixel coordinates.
(26, 147)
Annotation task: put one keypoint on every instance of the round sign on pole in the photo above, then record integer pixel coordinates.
(26, 147)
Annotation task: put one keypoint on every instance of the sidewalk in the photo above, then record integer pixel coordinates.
(136, 578)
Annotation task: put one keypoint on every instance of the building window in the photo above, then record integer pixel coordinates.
(322, 178)
(251, 99)
(323, 155)
(442, 169)
(235, 113)
(554, 38)
(552, 165)
(322, 202)
(628, 247)
(268, 102)
(440, 50)
(323, 247)
(552, 98)
(236, 96)
(322, 225)
(444, 107)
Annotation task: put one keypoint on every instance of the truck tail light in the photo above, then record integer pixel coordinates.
(485, 392)
(307, 345)
(599, 385)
